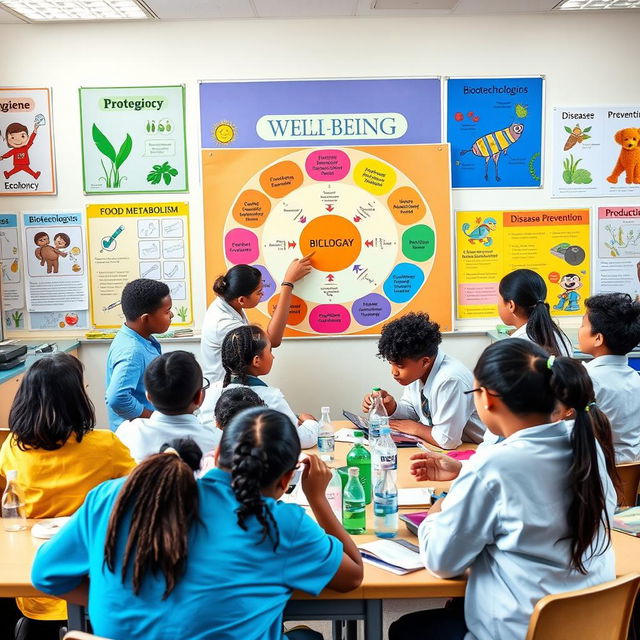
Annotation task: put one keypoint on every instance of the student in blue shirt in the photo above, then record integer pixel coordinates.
(146, 305)
(212, 558)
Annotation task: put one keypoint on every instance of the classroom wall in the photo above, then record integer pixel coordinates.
(587, 58)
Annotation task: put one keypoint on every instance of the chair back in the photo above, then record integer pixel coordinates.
(597, 613)
(630, 477)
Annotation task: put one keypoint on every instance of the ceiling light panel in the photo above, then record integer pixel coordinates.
(68, 10)
(585, 5)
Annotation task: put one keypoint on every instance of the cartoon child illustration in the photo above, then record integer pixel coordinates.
(570, 282)
(46, 253)
(19, 141)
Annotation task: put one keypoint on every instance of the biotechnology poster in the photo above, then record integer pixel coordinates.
(494, 127)
(26, 148)
(10, 262)
(133, 139)
(552, 242)
(138, 240)
(617, 238)
(596, 151)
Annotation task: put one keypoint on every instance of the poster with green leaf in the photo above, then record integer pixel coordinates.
(133, 139)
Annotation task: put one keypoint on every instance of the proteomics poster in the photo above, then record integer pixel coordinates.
(138, 240)
(552, 242)
(133, 139)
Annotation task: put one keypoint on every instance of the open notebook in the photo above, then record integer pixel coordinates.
(391, 556)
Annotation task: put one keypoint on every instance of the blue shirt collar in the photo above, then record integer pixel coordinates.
(218, 475)
(134, 334)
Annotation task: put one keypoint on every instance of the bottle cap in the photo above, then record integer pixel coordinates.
(323, 409)
(12, 474)
(354, 472)
(385, 431)
(376, 389)
(358, 434)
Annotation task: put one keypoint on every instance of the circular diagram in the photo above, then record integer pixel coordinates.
(371, 232)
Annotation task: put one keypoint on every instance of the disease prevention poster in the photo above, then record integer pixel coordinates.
(138, 240)
(617, 238)
(133, 139)
(494, 126)
(26, 149)
(596, 151)
(490, 244)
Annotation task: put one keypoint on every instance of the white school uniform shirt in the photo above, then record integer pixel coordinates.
(220, 319)
(453, 415)
(273, 399)
(505, 517)
(145, 436)
(565, 346)
(617, 389)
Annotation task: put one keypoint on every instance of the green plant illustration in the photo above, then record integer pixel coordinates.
(521, 110)
(532, 167)
(112, 177)
(17, 319)
(182, 312)
(162, 171)
(573, 175)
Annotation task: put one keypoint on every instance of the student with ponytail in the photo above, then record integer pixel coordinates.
(239, 289)
(529, 515)
(169, 556)
(521, 303)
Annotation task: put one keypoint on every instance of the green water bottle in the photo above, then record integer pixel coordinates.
(360, 457)
(354, 516)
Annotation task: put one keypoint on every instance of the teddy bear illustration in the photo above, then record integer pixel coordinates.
(629, 158)
(46, 253)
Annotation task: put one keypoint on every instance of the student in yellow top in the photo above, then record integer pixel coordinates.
(59, 459)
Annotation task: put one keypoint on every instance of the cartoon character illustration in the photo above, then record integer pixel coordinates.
(46, 253)
(18, 139)
(482, 231)
(494, 144)
(568, 299)
(629, 158)
(576, 135)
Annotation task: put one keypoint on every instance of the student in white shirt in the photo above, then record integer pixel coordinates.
(610, 329)
(242, 288)
(530, 515)
(246, 355)
(521, 303)
(433, 405)
(175, 387)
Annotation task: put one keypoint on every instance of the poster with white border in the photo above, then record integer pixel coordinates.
(11, 264)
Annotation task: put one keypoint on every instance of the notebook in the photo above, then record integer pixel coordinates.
(627, 521)
(401, 439)
(391, 556)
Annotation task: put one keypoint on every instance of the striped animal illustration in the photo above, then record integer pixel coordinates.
(494, 144)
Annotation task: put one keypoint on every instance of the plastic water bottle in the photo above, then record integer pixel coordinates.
(385, 506)
(13, 516)
(326, 439)
(384, 457)
(354, 516)
(378, 416)
(334, 494)
(360, 457)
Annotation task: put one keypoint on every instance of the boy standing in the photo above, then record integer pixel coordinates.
(610, 329)
(146, 305)
(434, 405)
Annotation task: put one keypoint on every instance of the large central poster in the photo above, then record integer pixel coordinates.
(293, 168)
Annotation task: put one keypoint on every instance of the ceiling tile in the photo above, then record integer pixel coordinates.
(200, 9)
(304, 8)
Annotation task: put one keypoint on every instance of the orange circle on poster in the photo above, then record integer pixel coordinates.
(297, 309)
(406, 205)
(335, 241)
(554, 277)
(251, 208)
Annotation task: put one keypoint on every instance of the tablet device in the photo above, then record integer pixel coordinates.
(401, 440)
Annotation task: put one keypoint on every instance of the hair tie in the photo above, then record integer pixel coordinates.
(550, 362)
(172, 451)
(591, 404)
(539, 301)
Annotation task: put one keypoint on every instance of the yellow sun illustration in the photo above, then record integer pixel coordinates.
(223, 132)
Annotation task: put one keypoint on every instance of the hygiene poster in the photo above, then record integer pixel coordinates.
(133, 139)
(26, 149)
(617, 238)
(357, 185)
(141, 240)
(494, 126)
(552, 242)
(596, 151)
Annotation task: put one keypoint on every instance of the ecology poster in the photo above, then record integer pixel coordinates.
(138, 240)
(494, 126)
(552, 242)
(26, 150)
(617, 238)
(10, 262)
(133, 139)
(596, 151)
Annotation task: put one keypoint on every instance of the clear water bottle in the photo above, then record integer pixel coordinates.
(334, 494)
(384, 457)
(13, 515)
(385, 506)
(360, 457)
(354, 515)
(378, 416)
(326, 439)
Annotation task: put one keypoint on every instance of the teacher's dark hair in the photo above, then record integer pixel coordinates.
(241, 280)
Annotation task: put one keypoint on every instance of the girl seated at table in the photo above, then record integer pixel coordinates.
(529, 515)
(246, 355)
(59, 458)
(169, 556)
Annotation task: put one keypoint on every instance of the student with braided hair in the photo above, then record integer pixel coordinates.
(246, 355)
(169, 556)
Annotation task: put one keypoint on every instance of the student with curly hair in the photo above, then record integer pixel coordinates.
(434, 405)
(171, 556)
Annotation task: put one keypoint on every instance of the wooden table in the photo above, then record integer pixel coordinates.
(364, 603)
